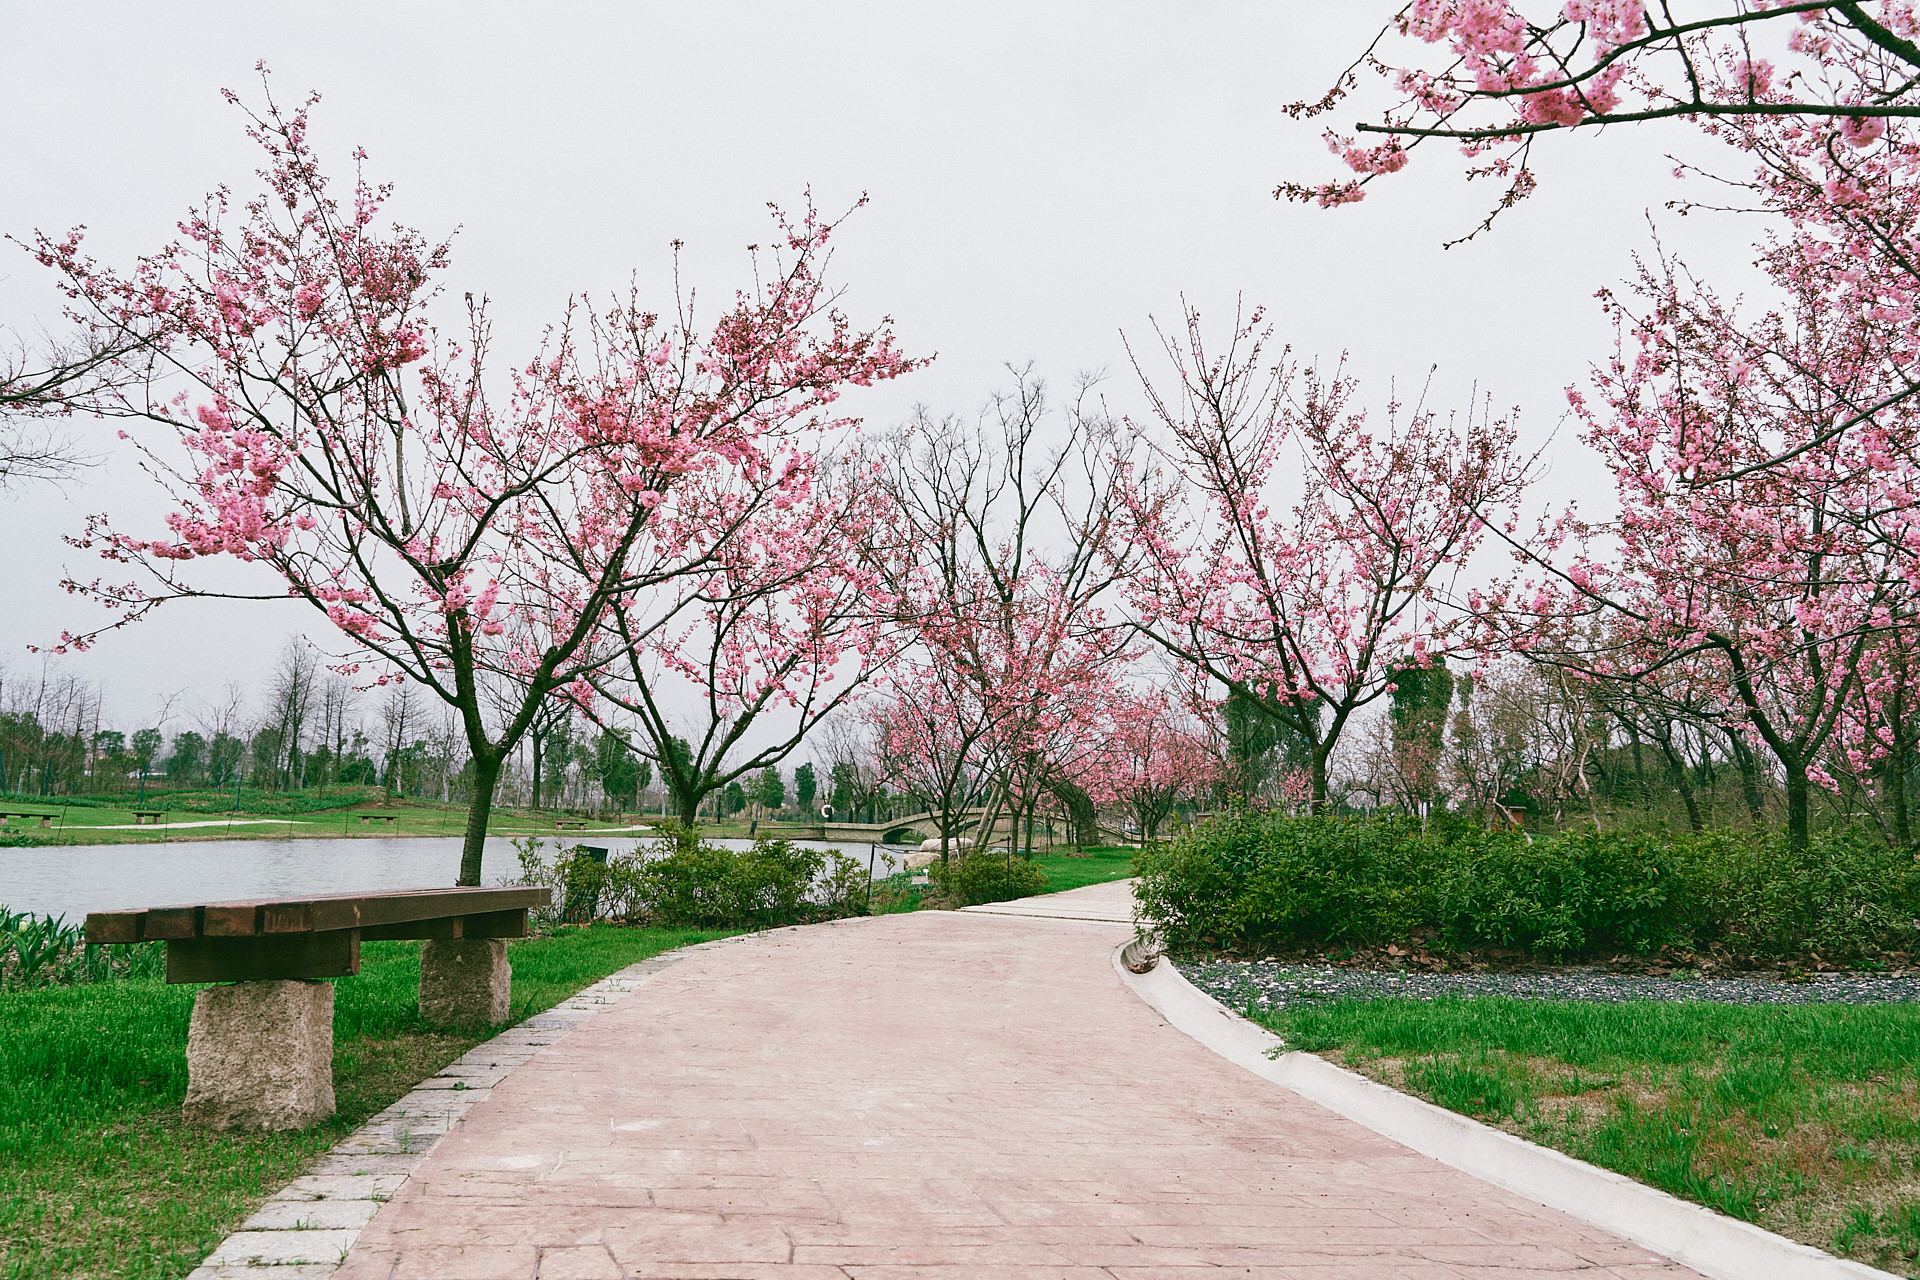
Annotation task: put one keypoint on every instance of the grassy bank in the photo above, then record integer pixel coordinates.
(1804, 1119)
(268, 816)
(102, 1178)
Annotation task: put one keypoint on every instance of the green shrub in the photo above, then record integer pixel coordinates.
(1252, 882)
(968, 879)
(689, 883)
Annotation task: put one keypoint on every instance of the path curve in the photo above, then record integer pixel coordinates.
(940, 1094)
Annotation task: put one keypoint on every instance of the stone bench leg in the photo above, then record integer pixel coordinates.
(260, 1055)
(465, 981)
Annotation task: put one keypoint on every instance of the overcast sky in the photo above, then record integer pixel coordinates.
(1042, 178)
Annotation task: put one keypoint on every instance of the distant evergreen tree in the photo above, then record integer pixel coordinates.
(1418, 714)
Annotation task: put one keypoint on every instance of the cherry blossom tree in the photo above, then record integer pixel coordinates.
(1153, 758)
(788, 621)
(462, 528)
(1010, 517)
(1302, 610)
(930, 733)
(1499, 78)
(1750, 532)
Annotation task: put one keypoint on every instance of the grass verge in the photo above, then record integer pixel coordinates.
(1091, 866)
(1803, 1119)
(102, 1179)
(897, 893)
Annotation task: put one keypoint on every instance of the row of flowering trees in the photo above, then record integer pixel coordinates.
(650, 504)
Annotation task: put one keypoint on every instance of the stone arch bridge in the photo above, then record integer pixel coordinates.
(908, 830)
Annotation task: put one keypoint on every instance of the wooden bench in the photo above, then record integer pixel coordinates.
(570, 824)
(148, 817)
(46, 819)
(260, 1051)
(387, 818)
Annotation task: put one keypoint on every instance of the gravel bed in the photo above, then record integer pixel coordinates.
(1271, 984)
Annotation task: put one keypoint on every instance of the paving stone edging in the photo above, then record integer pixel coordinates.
(1714, 1245)
(305, 1231)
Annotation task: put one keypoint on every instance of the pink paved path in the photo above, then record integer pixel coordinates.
(933, 1095)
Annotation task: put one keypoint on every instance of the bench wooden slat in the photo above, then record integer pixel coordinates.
(230, 920)
(487, 924)
(113, 926)
(171, 923)
(312, 914)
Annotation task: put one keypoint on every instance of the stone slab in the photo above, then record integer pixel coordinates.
(341, 1187)
(279, 1248)
(312, 1215)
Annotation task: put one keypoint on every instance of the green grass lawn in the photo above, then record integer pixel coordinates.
(1065, 871)
(101, 1178)
(1093, 866)
(1804, 1119)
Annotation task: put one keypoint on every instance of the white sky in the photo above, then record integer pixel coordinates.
(1042, 177)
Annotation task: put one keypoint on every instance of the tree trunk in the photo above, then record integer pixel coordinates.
(1798, 803)
(486, 775)
(983, 833)
(1319, 771)
(1749, 777)
(1679, 766)
(1641, 791)
(1895, 771)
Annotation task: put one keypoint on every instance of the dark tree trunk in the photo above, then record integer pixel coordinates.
(1685, 787)
(1799, 798)
(1642, 793)
(1749, 777)
(1895, 772)
(486, 776)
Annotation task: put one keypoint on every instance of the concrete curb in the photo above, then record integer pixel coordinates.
(1716, 1246)
(305, 1231)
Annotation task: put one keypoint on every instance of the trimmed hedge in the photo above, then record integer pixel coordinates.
(1253, 883)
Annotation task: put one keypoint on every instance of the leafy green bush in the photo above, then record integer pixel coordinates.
(689, 883)
(968, 879)
(1253, 882)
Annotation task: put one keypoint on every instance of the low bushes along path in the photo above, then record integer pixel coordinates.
(965, 1093)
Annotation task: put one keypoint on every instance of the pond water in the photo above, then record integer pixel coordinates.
(72, 880)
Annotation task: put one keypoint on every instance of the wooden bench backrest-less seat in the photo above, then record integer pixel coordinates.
(262, 939)
(260, 1046)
